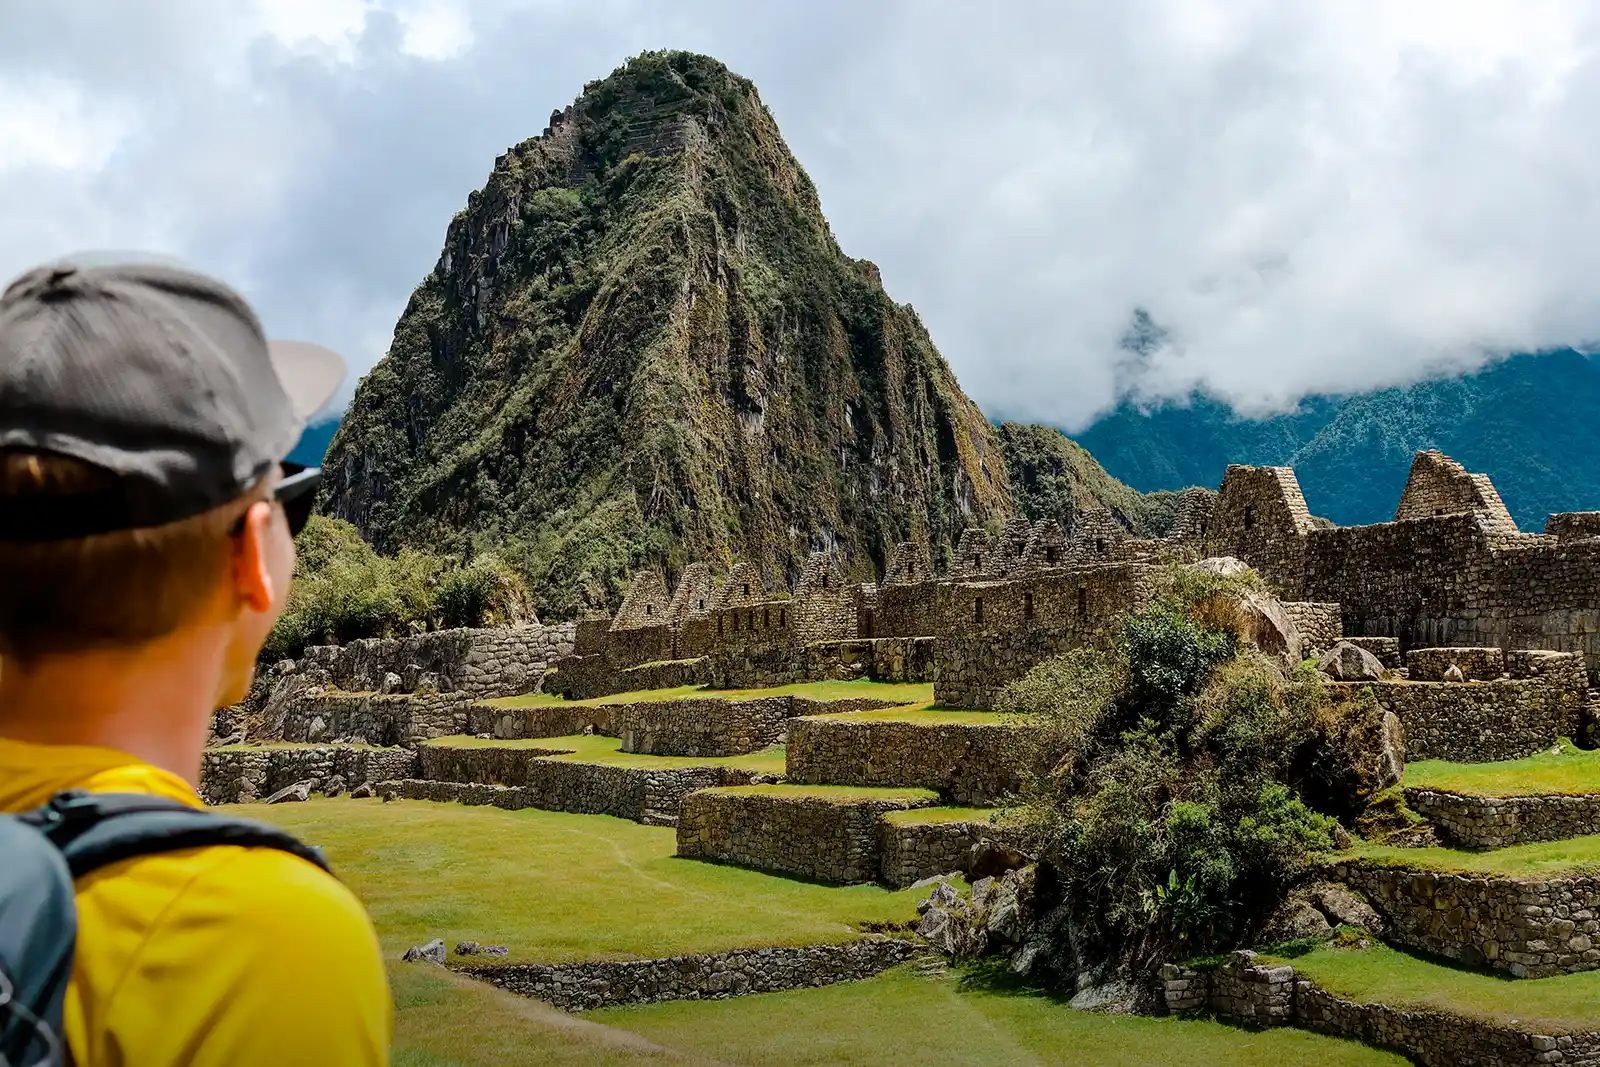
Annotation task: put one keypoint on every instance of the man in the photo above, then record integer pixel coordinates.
(146, 550)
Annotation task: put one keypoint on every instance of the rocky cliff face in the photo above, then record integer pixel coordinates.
(641, 345)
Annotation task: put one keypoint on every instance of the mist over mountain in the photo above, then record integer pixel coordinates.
(1527, 421)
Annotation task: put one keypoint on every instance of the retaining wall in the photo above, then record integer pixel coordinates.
(914, 851)
(652, 797)
(704, 726)
(1531, 929)
(883, 659)
(1484, 721)
(540, 720)
(239, 775)
(1495, 822)
(830, 840)
(1259, 994)
(490, 662)
(972, 763)
(714, 976)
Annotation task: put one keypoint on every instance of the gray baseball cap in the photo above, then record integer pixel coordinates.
(158, 375)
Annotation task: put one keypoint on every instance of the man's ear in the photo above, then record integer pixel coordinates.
(252, 573)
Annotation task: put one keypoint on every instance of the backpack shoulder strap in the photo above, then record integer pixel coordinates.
(96, 829)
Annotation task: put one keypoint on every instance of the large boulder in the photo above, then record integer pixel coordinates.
(432, 952)
(1358, 752)
(1314, 911)
(1264, 623)
(1345, 662)
(988, 858)
(1224, 566)
(291, 794)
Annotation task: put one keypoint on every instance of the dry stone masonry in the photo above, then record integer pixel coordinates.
(1498, 822)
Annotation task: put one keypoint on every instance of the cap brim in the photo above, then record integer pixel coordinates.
(310, 374)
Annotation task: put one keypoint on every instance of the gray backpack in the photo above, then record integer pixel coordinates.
(42, 853)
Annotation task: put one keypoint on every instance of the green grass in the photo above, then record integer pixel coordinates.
(1543, 859)
(897, 1019)
(607, 751)
(1380, 974)
(555, 887)
(900, 1018)
(897, 692)
(924, 816)
(926, 712)
(839, 794)
(1570, 772)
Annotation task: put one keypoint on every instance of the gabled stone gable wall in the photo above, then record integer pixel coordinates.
(1261, 517)
(696, 595)
(647, 603)
(908, 564)
(1438, 485)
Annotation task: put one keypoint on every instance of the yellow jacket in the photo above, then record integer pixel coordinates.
(208, 957)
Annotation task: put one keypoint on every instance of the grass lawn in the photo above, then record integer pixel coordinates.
(898, 1019)
(924, 816)
(1571, 772)
(898, 692)
(556, 887)
(839, 794)
(925, 712)
(1565, 1003)
(1542, 859)
(594, 748)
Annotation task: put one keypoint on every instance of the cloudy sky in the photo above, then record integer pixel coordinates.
(1305, 196)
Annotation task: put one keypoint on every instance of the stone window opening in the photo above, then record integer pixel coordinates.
(1050, 555)
(701, 605)
(1249, 516)
(977, 609)
(766, 618)
(1027, 606)
(736, 623)
(824, 581)
(1083, 602)
(649, 609)
(783, 616)
(1099, 546)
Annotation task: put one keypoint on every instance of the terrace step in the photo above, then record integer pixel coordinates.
(971, 757)
(241, 774)
(1481, 822)
(1529, 927)
(828, 833)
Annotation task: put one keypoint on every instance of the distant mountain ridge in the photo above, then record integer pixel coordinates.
(1527, 421)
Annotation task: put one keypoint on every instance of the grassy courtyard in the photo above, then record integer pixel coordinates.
(1569, 771)
(1543, 859)
(899, 1019)
(607, 751)
(1378, 974)
(895, 692)
(556, 887)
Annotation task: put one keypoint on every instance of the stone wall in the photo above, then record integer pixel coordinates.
(1479, 722)
(1496, 822)
(911, 851)
(498, 661)
(1438, 485)
(1240, 990)
(971, 763)
(485, 765)
(1386, 649)
(1531, 929)
(1321, 625)
(321, 715)
(1477, 664)
(703, 727)
(652, 797)
(1260, 516)
(884, 659)
(579, 987)
(541, 720)
(243, 775)
(1573, 525)
(831, 840)
(586, 677)
(1260, 994)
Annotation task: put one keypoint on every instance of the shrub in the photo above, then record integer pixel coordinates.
(344, 590)
(1161, 796)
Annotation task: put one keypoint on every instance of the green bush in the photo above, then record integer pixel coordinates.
(1161, 793)
(344, 589)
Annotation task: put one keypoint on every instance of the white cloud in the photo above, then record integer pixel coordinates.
(1308, 196)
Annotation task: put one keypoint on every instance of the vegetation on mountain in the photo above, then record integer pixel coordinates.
(344, 590)
(1054, 477)
(1524, 421)
(642, 346)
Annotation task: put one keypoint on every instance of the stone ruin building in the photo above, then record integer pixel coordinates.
(1481, 640)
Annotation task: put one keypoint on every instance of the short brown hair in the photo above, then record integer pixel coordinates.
(119, 589)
